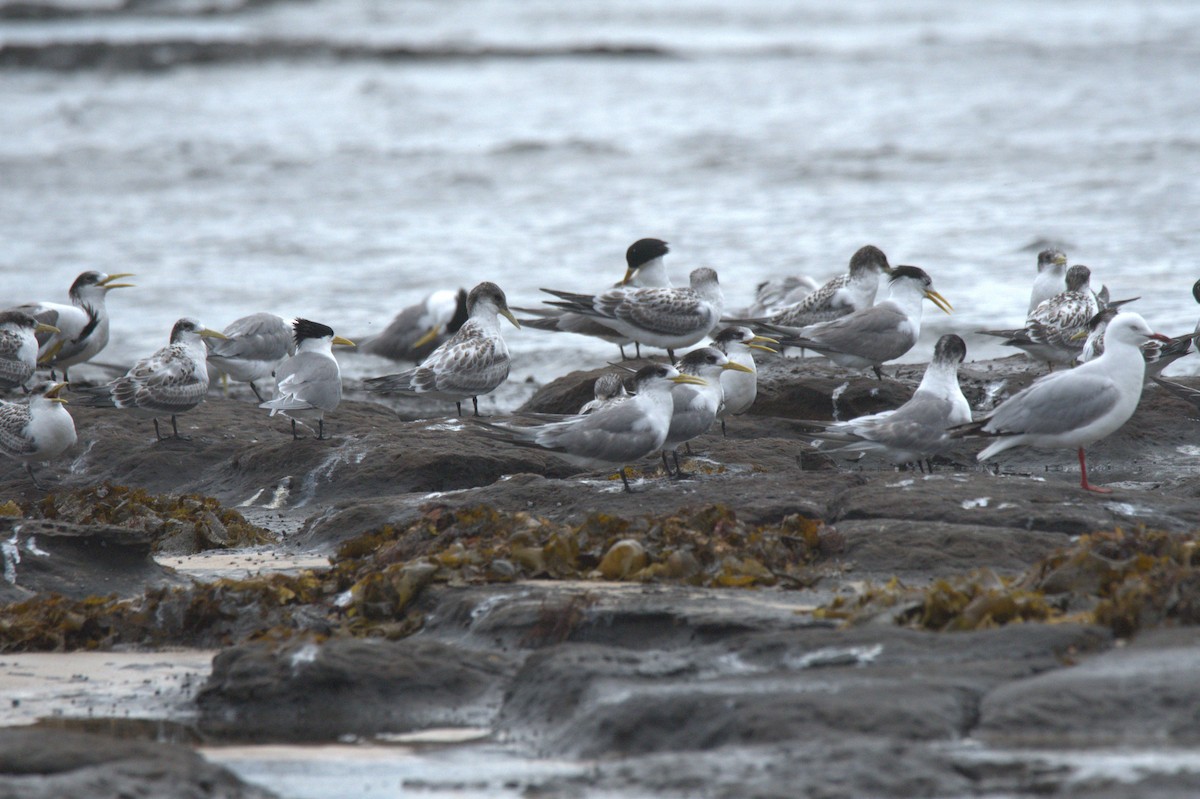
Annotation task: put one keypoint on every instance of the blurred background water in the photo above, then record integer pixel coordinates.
(338, 159)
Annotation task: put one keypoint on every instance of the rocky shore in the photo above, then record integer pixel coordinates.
(783, 624)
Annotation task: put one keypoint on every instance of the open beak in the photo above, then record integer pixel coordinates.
(213, 334)
(507, 314)
(109, 284)
(938, 300)
(428, 337)
(42, 327)
(689, 380)
(761, 339)
(52, 394)
(342, 342)
(737, 367)
(762, 347)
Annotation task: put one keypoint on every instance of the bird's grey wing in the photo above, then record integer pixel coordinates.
(258, 337)
(617, 433)
(14, 418)
(872, 333)
(816, 304)
(1053, 403)
(308, 381)
(663, 311)
(46, 314)
(167, 381)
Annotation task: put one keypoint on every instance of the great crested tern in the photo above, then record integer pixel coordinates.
(309, 383)
(82, 325)
(252, 349)
(39, 429)
(739, 388)
(1050, 330)
(696, 403)
(1051, 277)
(842, 295)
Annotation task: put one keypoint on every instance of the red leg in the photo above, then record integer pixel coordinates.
(1083, 471)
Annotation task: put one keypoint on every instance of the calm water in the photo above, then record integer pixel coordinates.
(760, 138)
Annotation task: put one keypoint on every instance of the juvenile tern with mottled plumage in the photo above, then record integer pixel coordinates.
(739, 389)
(615, 435)
(873, 336)
(670, 318)
(309, 384)
(19, 347)
(82, 325)
(609, 388)
(36, 430)
(252, 349)
(171, 381)
(472, 363)
(644, 269)
(917, 430)
(841, 295)
(1076, 407)
(1049, 332)
(420, 328)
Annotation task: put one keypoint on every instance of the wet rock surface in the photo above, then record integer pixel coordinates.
(52, 764)
(713, 636)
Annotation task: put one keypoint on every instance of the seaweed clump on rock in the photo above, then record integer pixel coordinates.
(1125, 580)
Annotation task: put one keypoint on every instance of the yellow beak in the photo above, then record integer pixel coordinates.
(52, 394)
(629, 273)
(507, 314)
(1080, 335)
(109, 284)
(1060, 260)
(737, 367)
(762, 347)
(689, 380)
(767, 339)
(213, 334)
(342, 342)
(938, 300)
(42, 327)
(428, 337)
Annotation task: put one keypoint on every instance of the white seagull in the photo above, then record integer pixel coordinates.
(644, 268)
(614, 435)
(917, 430)
(740, 388)
(873, 336)
(82, 325)
(670, 318)
(473, 362)
(252, 349)
(421, 328)
(1074, 408)
(171, 381)
(696, 404)
(19, 347)
(37, 430)
(309, 384)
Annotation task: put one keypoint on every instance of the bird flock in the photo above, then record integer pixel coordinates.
(456, 342)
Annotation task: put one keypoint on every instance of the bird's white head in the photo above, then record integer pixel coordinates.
(1130, 328)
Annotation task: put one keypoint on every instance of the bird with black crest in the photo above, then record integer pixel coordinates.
(309, 384)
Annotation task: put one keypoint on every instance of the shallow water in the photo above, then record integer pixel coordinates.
(761, 140)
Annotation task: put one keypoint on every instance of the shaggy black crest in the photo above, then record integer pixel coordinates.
(85, 280)
(305, 328)
(644, 250)
(185, 325)
(652, 371)
(915, 272)
(691, 362)
(729, 334)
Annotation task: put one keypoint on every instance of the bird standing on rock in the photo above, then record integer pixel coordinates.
(82, 325)
(670, 318)
(472, 363)
(917, 430)
(253, 348)
(696, 403)
(615, 435)
(1076, 407)
(739, 388)
(19, 347)
(171, 381)
(37, 430)
(873, 336)
(309, 384)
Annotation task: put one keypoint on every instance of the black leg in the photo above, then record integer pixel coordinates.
(723, 432)
(624, 357)
(295, 437)
(671, 355)
(680, 474)
(687, 445)
(878, 372)
(254, 388)
(475, 402)
(157, 435)
(33, 477)
(637, 346)
(459, 406)
(666, 463)
(320, 430)
(175, 430)
(625, 480)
